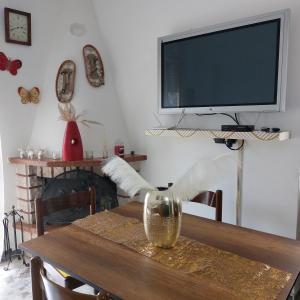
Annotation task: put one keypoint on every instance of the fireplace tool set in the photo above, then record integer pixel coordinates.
(9, 254)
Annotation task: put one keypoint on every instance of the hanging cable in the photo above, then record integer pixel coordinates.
(235, 119)
(181, 117)
(236, 149)
(223, 114)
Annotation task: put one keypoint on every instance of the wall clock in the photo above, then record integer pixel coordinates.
(17, 26)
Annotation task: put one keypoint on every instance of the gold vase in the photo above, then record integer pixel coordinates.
(162, 218)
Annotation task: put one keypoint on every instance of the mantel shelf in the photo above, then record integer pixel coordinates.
(189, 132)
(60, 163)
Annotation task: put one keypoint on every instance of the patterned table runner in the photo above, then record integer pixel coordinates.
(247, 279)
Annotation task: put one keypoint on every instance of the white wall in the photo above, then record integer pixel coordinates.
(16, 119)
(38, 125)
(98, 104)
(129, 30)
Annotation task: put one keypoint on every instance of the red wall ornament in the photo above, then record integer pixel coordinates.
(10, 65)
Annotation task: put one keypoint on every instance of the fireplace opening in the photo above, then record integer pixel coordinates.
(76, 181)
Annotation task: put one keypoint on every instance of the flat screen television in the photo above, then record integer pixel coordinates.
(233, 67)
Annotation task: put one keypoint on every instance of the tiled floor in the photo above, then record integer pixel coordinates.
(15, 284)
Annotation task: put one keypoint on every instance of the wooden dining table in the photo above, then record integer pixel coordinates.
(130, 275)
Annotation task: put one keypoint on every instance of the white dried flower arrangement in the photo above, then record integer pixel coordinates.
(68, 114)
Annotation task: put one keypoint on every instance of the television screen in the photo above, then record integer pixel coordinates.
(233, 67)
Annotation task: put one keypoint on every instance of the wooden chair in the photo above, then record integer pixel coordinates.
(45, 207)
(43, 288)
(213, 199)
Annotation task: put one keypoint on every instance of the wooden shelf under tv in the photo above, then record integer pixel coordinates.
(47, 162)
(192, 132)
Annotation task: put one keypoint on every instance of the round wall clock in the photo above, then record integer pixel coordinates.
(17, 26)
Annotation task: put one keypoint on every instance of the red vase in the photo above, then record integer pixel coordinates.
(72, 146)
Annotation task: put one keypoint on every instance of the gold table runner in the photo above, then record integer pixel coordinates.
(245, 278)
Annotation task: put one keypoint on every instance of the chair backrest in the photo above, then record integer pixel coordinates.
(42, 286)
(78, 199)
(213, 199)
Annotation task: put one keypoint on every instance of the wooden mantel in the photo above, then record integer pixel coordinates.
(47, 162)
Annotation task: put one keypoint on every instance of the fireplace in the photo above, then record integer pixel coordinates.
(76, 181)
(47, 178)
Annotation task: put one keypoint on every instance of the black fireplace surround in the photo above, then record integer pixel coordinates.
(76, 181)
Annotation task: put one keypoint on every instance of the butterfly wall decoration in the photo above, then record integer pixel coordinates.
(31, 96)
(10, 65)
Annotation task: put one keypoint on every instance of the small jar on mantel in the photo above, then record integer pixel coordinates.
(119, 148)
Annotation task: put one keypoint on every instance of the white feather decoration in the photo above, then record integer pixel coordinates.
(125, 176)
(198, 178)
(194, 181)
